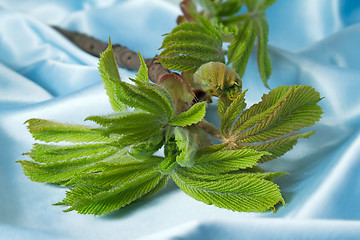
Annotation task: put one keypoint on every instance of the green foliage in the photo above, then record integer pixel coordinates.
(45, 153)
(263, 60)
(229, 8)
(224, 161)
(192, 116)
(148, 147)
(117, 186)
(279, 147)
(254, 25)
(132, 96)
(271, 124)
(184, 48)
(239, 192)
(142, 74)
(132, 127)
(187, 146)
(240, 30)
(117, 162)
(62, 171)
(161, 101)
(49, 131)
(229, 113)
(110, 76)
(144, 95)
(241, 47)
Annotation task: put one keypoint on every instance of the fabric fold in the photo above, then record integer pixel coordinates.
(43, 75)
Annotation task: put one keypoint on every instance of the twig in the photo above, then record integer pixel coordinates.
(124, 57)
(211, 130)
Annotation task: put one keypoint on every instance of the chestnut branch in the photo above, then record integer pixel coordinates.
(124, 57)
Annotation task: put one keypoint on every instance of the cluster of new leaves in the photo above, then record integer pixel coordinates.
(270, 125)
(190, 45)
(199, 36)
(109, 166)
(114, 164)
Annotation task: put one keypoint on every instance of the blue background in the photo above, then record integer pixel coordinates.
(43, 75)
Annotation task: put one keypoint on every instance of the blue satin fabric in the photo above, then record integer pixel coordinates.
(43, 75)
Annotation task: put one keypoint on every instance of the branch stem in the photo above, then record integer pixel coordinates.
(124, 57)
(211, 130)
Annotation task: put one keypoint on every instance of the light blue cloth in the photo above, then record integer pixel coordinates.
(43, 75)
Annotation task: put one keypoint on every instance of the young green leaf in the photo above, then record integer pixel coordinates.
(182, 63)
(136, 135)
(101, 200)
(241, 47)
(167, 165)
(126, 120)
(222, 104)
(195, 114)
(124, 170)
(146, 97)
(107, 65)
(223, 161)
(263, 60)
(229, 8)
(110, 76)
(182, 36)
(114, 186)
(45, 153)
(162, 183)
(244, 193)
(283, 111)
(132, 127)
(159, 95)
(62, 171)
(231, 113)
(190, 54)
(49, 131)
(204, 52)
(147, 148)
(170, 151)
(142, 74)
(187, 147)
(280, 146)
(246, 157)
(254, 172)
(253, 24)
